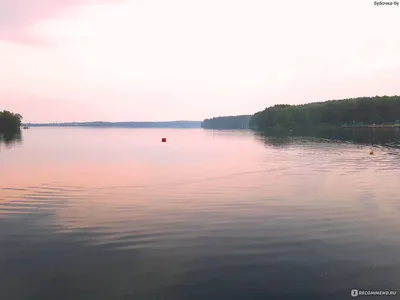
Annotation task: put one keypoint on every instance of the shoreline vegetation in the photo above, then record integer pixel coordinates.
(10, 131)
(364, 112)
(9, 122)
(228, 122)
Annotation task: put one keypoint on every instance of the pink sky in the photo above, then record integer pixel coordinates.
(83, 60)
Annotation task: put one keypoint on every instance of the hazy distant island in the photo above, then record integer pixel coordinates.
(9, 122)
(166, 124)
(348, 113)
(229, 122)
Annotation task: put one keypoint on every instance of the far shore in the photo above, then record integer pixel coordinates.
(372, 126)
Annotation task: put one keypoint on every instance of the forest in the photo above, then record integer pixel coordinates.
(9, 122)
(230, 122)
(335, 113)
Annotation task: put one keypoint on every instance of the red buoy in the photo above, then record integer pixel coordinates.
(164, 140)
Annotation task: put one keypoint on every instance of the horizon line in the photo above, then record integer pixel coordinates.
(77, 122)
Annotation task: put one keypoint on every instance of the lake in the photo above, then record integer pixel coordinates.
(89, 213)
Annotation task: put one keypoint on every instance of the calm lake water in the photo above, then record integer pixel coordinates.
(89, 213)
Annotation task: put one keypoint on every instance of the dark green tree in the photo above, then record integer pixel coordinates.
(9, 122)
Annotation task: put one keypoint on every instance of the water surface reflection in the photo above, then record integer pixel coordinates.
(116, 214)
(10, 139)
(388, 137)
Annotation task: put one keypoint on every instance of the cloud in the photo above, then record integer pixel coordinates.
(18, 16)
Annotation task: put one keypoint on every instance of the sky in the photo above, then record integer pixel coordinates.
(155, 60)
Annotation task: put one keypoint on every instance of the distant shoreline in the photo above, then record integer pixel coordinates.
(166, 124)
(373, 126)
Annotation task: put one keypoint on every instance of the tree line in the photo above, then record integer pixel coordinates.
(9, 122)
(230, 122)
(355, 111)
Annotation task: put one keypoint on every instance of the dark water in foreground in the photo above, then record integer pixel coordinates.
(115, 214)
